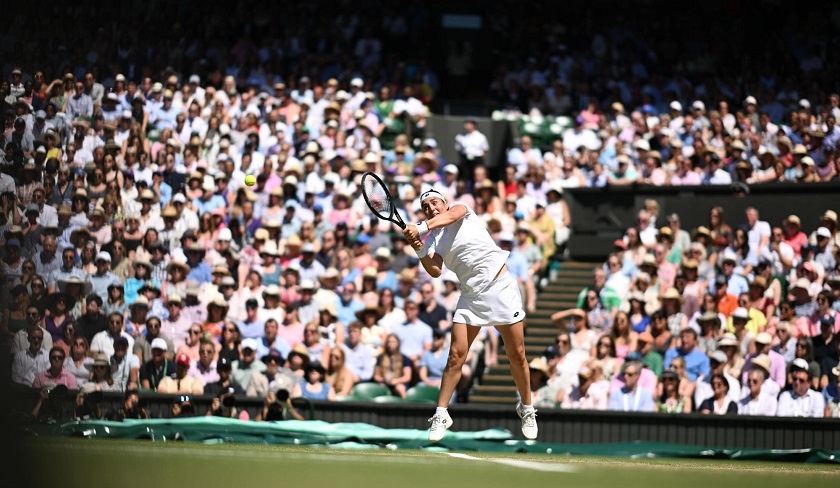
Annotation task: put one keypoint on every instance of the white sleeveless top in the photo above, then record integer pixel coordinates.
(469, 251)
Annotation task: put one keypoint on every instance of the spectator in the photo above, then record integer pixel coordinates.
(103, 342)
(671, 401)
(631, 397)
(763, 346)
(393, 368)
(720, 403)
(101, 377)
(801, 400)
(591, 391)
(158, 367)
(717, 366)
(76, 360)
(125, 367)
(339, 377)
(757, 401)
(225, 384)
(696, 362)
(182, 382)
(55, 374)
(247, 365)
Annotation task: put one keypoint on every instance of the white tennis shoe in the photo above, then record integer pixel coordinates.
(529, 422)
(439, 424)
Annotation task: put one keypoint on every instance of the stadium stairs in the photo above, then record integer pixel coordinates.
(561, 293)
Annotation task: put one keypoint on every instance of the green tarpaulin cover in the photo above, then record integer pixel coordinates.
(365, 436)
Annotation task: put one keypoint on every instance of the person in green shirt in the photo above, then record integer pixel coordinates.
(650, 358)
(610, 299)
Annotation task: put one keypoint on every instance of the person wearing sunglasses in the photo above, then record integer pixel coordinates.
(33, 360)
(55, 374)
(801, 400)
(757, 401)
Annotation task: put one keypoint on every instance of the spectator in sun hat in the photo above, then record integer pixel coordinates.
(763, 345)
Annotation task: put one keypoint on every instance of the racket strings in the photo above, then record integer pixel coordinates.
(378, 197)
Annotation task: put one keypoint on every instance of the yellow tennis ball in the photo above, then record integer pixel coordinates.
(250, 180)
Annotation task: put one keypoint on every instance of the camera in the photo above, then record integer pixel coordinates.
(228, 402)
(282, 395)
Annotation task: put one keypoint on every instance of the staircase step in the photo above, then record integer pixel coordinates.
(479, 398)
(496, 389)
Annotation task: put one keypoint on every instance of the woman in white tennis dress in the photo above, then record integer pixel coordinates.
(456, 237)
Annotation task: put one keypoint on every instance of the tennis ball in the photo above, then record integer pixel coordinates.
(250, 180)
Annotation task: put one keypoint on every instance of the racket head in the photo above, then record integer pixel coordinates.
(379, 200)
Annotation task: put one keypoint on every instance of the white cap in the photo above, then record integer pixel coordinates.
(824, 232)
(126, 114)
(642, 145)
(307, 247)
(807, 161)
(159, 343)
(179, 197)
(698, 105)
(804, 103)
(103, 255)
(506, 236)
(250, 343)
(307, 285)
(40, 114)
(741, 313)
(801, 364)
(675, 105)
(112, 96)
(430, 142)
(750, 100)
(451, 169)
(225, 235)
(195, 79)
(357, 82)
(120, 77)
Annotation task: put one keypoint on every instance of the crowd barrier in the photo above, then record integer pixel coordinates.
(556, 426)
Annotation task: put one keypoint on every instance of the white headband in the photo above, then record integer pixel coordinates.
(432, 193)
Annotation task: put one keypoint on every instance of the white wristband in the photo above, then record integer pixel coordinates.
(422, 228)
(421, 253)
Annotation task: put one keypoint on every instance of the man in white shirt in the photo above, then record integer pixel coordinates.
(520, 157)
(758, 234)
(103, 342)
(756, 401)
(801, 401)
(472, 147)
(28, 363)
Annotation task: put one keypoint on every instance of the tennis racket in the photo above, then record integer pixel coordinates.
(379, 199)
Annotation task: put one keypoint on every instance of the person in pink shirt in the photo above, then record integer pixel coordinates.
(684, 176)
(56, 373)
(794, 237)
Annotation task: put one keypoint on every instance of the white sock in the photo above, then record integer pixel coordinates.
(440, 411)
(527, 408)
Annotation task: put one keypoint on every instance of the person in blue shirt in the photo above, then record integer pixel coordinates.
(209, 200)
(631, 397)
(696, 362)
(516, 263)
(199, 269)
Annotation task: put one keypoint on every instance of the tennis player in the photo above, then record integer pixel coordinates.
(458, 238)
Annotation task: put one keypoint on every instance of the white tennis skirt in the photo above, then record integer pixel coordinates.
(500, 304)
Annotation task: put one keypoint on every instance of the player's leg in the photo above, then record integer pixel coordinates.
(462, 337)
(514, 339)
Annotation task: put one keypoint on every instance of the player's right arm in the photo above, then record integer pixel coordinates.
(432, 263)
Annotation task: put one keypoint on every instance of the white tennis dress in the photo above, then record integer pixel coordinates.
(468, 251)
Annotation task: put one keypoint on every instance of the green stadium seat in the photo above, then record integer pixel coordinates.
(388, 399)
(422, 394)
(369, 391)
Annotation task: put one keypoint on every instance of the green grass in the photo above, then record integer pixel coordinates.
(128, 464)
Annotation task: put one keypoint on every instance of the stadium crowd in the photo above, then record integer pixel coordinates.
(135, 258)
(735, 317)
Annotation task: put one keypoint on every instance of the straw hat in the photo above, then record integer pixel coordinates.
(762, 361)
(371, 305)
(100, 360)
(672, 294)
(64, 283)
(539, 365)
(329, 307)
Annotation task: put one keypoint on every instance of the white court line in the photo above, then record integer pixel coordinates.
(518, 463)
